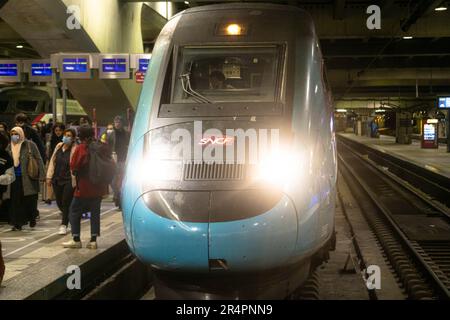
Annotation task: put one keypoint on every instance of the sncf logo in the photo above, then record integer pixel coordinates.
(216, 140)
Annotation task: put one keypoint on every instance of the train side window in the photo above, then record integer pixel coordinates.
(325, 77)
(3, 105)
(27, 105)
(167, 86)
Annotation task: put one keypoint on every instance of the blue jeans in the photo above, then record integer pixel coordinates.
(80, 206)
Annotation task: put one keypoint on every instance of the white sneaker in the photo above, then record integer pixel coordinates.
(62, 230)
(92, 245)
(72, 244)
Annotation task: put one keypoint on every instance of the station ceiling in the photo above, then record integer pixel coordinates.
(362, 63)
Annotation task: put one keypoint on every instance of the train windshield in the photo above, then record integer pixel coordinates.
(227, 74)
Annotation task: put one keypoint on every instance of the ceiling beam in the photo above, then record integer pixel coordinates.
(339, 9)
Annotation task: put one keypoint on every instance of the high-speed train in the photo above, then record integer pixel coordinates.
(230, 180)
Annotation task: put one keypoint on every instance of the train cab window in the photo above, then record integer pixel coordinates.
(27, 105)
(227, 74)
(3, 105)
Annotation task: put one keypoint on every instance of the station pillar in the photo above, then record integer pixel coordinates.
(447, 129)
(403, 127)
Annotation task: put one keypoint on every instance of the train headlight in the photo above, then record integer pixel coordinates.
(160, 170)
(281, 169)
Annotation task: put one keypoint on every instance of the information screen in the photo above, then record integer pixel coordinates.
(429, 132)
(41, 69)
(114, 65)
(8, 69)
(79, 65)
(444, 103)
(143, 64)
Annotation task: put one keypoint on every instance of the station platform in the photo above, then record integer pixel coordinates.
(435, 160)
(36, 263)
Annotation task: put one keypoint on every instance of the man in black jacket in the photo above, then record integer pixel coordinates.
(22, 120)
(118, 141)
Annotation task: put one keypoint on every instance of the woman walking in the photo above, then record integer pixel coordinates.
(60, 177)
(23, 192)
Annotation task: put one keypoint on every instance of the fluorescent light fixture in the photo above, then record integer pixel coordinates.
(19, 46)
(341, 110)
(380, 111)
(186, 2)
(440, 8)
(407, 37)
(432, 120)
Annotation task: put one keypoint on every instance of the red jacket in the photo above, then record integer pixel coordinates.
(79, 163)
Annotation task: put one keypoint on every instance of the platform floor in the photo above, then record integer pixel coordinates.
(436, 160)
(24, 250)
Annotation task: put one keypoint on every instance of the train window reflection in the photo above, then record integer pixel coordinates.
(227, 74)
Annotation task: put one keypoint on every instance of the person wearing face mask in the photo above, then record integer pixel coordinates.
(61, 178)
(105, 135)
(22, 121)
(23, 192)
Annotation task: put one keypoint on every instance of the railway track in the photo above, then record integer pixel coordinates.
(413, 229)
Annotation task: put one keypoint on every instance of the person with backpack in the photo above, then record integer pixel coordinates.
(93, 168)
(60, 178)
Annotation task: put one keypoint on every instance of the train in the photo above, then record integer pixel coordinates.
(230, 180)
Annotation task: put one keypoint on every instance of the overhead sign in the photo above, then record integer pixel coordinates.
(143, 64)
(38, 70)
(140, 76)
(10, 70)
(75, 66)
(114, 66)
(140, 62)
(444, 102)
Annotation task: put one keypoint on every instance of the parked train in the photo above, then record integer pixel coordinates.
(213, 220)
(36, 102)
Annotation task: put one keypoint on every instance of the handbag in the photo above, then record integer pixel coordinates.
(33, 166)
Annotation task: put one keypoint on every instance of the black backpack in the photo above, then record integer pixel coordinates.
(101, 167)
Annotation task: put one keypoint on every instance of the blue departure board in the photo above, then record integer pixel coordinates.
(444, 103)
(143, 64)
(41, 69)
(78, 65)
(8, 69)
(114, 65)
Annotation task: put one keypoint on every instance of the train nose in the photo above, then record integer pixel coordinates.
(169, 244)
(262, 242)
(213, 230)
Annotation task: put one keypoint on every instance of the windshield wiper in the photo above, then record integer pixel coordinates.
(187, 88)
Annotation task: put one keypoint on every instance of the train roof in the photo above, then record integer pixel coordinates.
(266, 22)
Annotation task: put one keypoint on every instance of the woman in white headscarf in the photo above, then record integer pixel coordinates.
(24, 191)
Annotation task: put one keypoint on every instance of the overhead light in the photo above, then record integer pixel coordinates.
(407, 37)
(341, 110)
(441, 8)
(19, 46)
(186, 2)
